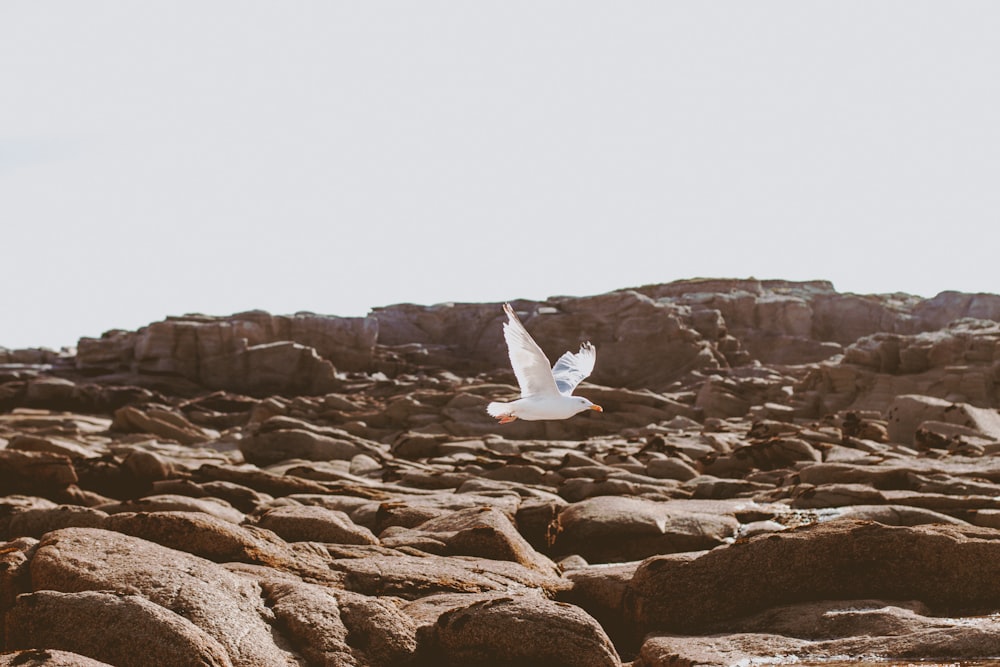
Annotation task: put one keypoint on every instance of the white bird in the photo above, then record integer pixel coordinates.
(545, 394)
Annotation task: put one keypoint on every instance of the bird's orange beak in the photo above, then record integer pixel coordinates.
(597, 408)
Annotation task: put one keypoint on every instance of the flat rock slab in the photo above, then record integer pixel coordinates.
(388, 572)
(947, 567)
(615, 529)
(42, 657)
(312, 523)
(206, 536)
(274, 446)
(878, 634)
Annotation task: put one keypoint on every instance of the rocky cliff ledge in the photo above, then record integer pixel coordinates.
(780, 470)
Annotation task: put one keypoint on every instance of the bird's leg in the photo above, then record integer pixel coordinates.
(506, 419)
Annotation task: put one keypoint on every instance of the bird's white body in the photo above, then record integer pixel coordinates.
(545, 393)
(537, 409)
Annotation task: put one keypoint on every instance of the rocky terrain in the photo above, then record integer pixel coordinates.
(781, 473)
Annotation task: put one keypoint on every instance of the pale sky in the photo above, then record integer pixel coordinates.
(161, 158)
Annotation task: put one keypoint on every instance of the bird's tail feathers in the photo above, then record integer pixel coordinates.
(496, 409)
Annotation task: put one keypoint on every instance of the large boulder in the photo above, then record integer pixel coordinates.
(509, 630)
(947, 567)
(117, 628)
(908, 412)
(224, 606)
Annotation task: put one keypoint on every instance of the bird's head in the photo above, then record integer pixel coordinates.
(585, 404)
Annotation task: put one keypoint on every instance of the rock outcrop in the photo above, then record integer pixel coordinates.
(780, 472)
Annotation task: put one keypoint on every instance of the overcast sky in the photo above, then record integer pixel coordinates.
(162, 158)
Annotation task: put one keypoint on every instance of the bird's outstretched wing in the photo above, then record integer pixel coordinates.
(571, 368)
(530, 365)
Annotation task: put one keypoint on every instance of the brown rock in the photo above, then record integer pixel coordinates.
(251, 352)
(224, 606)
(37, 522)
(631, 329)
(720, 397)
(116, 628)
(835, 495)
(834, 560)
(600, 591)
(173, 503)
(715, 651)
(53, 445)
(309, 616)
(827, 631)
(15, 577)
(609, 528)
(510, 629)
(671, 468)
(403, 515)
(311, 523)
(898, 515)
(906, 413)
(42, 657)
(378, 629)
(161, 422)
(22, 471)
(259, 480)
(205, 536)
(389, 572)
(482, 531)
(274, 446)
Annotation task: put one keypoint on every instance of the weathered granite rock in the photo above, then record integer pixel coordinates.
(239, 353)
(302, 523)
(390, 572)
(829, 630)
(37, 522)
(225, 607)
(15, 575)
(482, 531)
(378, 629)
(204, 535)
(168, 502)
(505, 630)
(25, 472)
(48, 658)
(71, 448)
(907, 413)
(946, 567)
(957, 364)
(116, 628)
(161, 422)
(310, 616)
(899, 515)
(609, 528)
(274, 446)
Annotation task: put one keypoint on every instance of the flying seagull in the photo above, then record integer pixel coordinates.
(545, 394)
